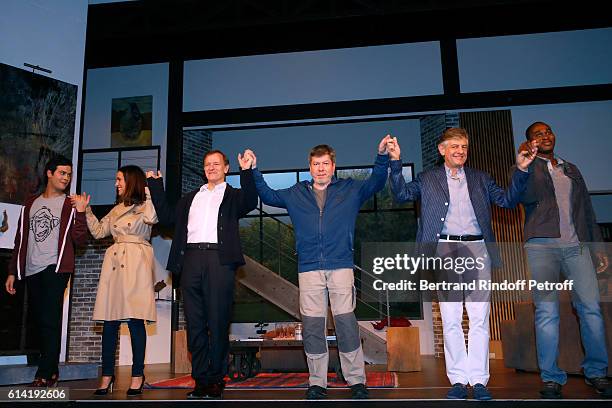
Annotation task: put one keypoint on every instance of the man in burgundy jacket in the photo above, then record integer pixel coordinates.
(49, 231)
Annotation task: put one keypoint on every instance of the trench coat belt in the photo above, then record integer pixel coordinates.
(132, 239)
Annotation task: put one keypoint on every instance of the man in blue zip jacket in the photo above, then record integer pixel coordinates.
(323, 212)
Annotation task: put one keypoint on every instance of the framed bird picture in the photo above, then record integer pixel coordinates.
(131, 121)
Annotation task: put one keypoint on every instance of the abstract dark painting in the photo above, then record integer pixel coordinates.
(37, 116)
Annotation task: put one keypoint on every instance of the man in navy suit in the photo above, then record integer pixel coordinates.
(456, 222)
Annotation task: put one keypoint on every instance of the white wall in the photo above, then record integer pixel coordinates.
(50, 34)
(158, 333)
(105, 84)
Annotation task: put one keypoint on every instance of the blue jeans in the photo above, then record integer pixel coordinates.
(574, 263)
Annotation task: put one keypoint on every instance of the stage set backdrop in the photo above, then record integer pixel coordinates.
(37, 120)
(37, 117)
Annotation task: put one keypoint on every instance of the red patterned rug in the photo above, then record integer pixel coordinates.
(377, 379)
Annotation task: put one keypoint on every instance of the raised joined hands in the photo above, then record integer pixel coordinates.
(247, 159)
(394, 149)
(151, 174)
(80, 201)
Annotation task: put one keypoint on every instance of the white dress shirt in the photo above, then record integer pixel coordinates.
(203, 214)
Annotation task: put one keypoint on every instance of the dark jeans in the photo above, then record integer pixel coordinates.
(138, 338)
(208, 293)
(46, 298)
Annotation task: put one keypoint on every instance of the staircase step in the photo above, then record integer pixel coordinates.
(285, 295)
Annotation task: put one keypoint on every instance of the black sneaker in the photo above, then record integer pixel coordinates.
(551, 390)
(601, 385)
(315, 392)
(359, 391)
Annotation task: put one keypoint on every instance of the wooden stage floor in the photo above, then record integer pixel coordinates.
(419, 389)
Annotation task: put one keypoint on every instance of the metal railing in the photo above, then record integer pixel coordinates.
(276, 241)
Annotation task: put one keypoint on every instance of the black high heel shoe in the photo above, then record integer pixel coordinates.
(109, 387)
(136, 391)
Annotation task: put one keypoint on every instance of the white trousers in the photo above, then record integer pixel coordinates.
(466, 365)
(471, 365)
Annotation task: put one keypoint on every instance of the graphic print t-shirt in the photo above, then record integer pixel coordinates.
(43, 230)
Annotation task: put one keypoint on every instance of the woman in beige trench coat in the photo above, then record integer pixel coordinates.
(125, 289)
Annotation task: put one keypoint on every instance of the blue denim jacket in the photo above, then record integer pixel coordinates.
(324, 238)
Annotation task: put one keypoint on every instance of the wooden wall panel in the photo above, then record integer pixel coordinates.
(492, 149)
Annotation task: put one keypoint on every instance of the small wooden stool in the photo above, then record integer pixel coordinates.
(403, 349)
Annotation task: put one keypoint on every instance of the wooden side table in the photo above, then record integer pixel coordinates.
(403, 349)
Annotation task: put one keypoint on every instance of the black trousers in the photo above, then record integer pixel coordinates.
(208, 293)
(45, 300)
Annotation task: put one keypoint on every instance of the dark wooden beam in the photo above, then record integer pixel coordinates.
(450, 66)
(406, 105)
(174, 132)
(144, 32)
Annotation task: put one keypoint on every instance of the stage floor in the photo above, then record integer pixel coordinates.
(421, 389)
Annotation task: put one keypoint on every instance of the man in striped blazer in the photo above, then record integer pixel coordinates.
(456, 222)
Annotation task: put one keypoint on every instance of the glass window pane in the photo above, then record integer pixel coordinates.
(278, 245)
(98, 177)
(602, 205)
(288, 147)
(146, 159)
(233, 180)
(358, 174)
(278, 181)
(385, 71)
(535, 60)
(305, 176)
(384, 199)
